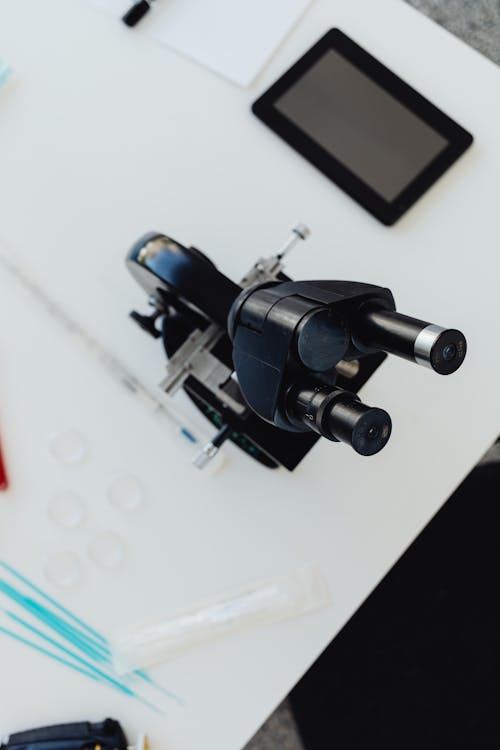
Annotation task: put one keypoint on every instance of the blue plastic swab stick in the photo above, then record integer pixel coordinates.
(69, 664)
(104, 646)
(99, 673)
(74, 637)
(101, 654)
(44, 651)
(5, 73)
(53, 621)
(52, 601)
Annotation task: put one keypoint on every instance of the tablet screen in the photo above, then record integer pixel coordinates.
(360, 124)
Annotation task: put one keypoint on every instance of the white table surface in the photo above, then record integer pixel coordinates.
(104, 135)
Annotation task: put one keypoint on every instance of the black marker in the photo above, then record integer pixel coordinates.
(136, 12)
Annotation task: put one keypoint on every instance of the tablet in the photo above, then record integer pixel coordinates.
(362, 126)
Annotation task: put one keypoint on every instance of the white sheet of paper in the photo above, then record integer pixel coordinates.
(232, 37)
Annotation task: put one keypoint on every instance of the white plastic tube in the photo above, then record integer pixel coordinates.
(303, 591)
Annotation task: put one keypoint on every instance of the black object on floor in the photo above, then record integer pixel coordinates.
(418, 666)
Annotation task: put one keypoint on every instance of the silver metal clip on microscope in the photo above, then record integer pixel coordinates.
(195, 358)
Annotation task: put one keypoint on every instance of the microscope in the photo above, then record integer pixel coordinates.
(276, 364)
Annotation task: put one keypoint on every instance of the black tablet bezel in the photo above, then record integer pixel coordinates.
(387, 212)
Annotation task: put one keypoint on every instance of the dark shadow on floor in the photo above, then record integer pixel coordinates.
(418, 665)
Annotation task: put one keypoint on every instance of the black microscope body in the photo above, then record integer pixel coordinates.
(274, 363)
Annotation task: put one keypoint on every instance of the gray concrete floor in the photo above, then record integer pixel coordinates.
(477, 22)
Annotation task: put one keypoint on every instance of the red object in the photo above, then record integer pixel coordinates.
(3, 476)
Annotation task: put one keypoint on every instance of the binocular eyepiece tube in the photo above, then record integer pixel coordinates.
(441, 349)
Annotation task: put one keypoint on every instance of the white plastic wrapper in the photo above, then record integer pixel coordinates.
(303, 591)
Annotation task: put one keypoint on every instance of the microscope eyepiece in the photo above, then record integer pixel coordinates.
(339, 415)
(366, 428)
(441, 349)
